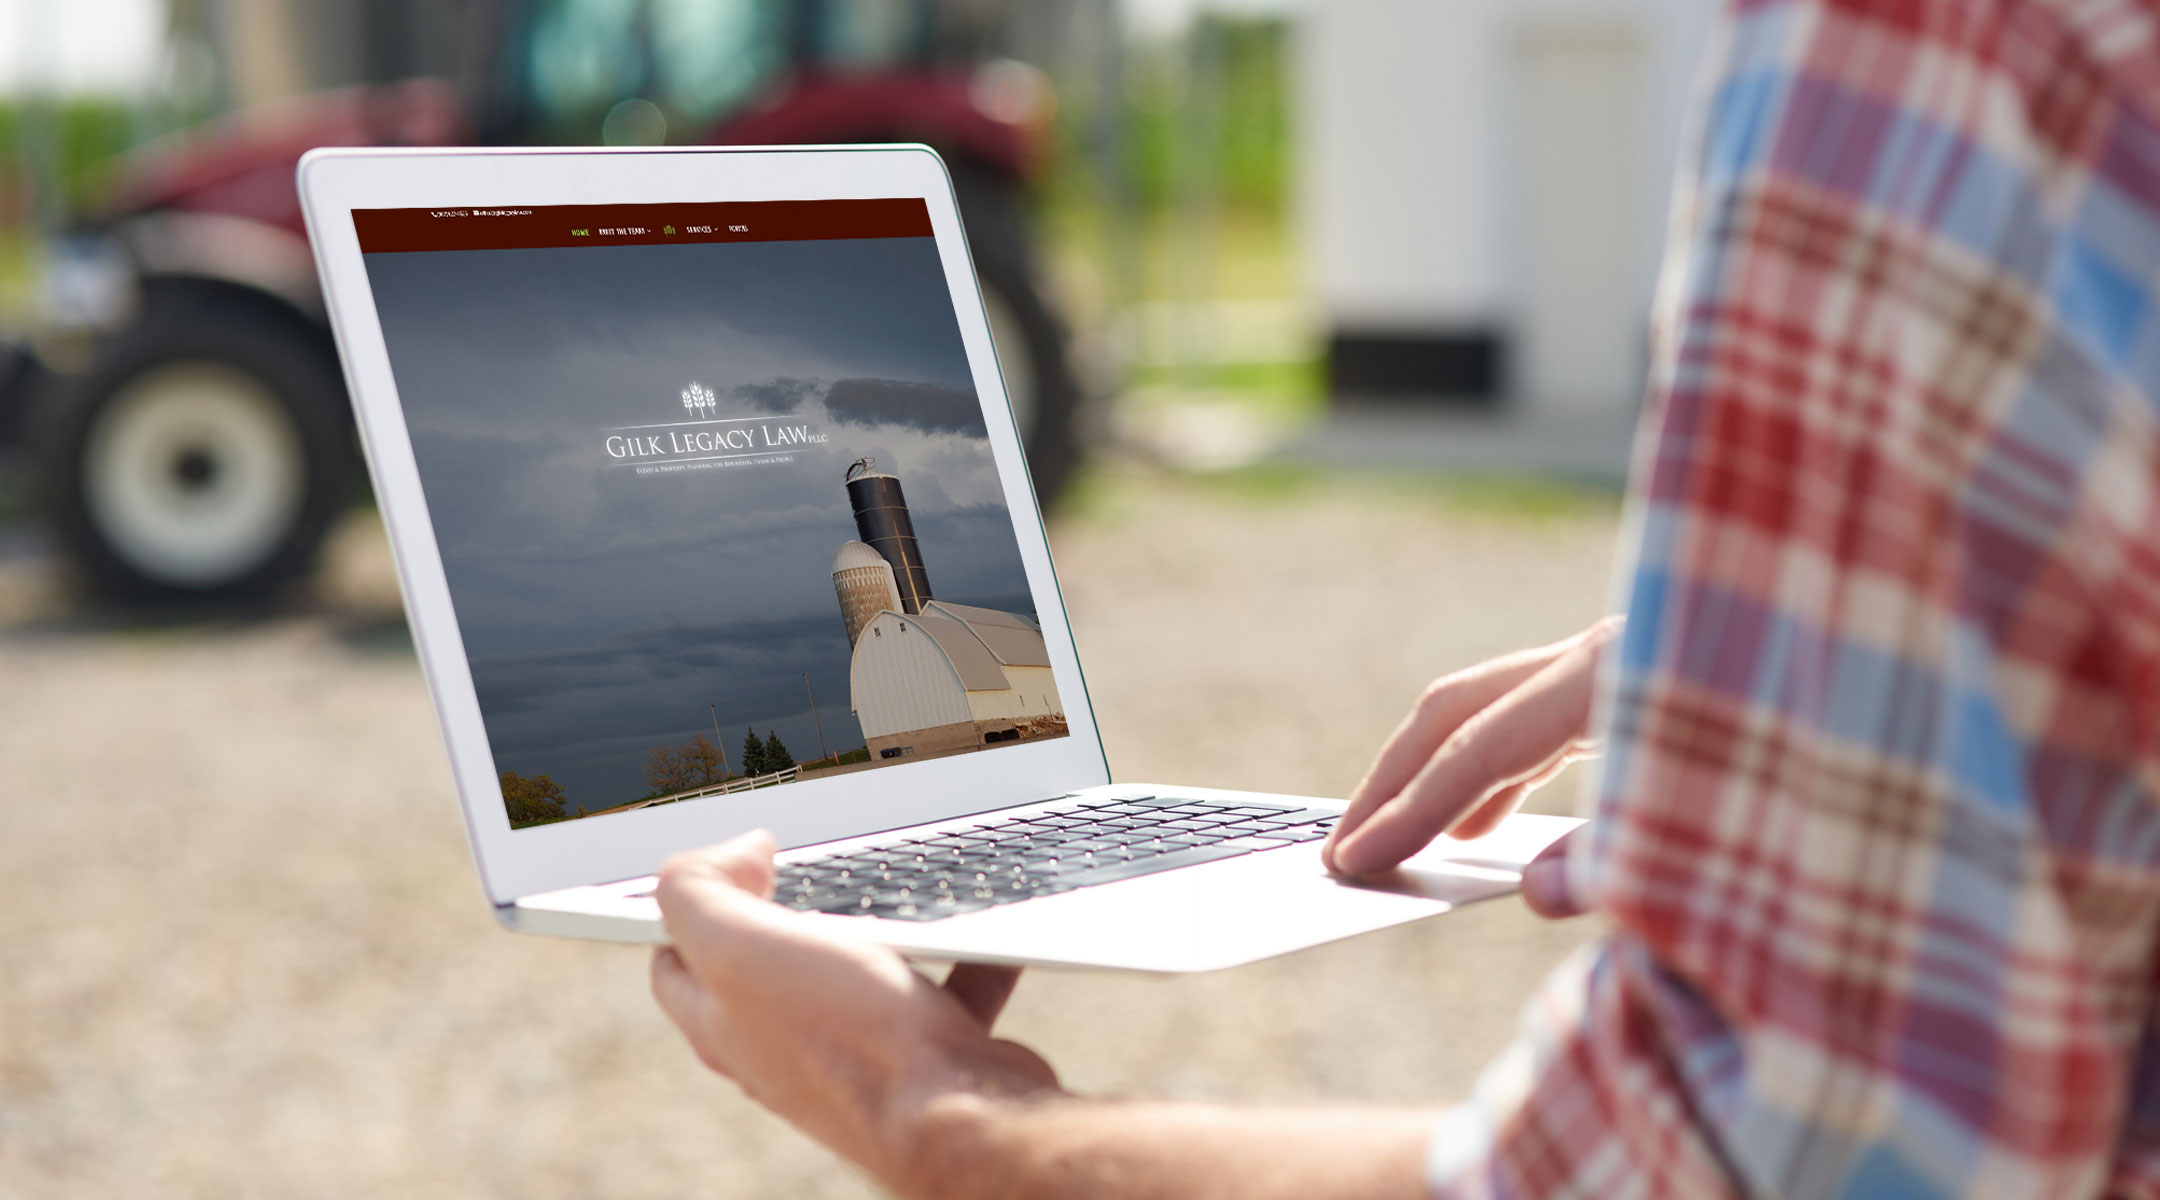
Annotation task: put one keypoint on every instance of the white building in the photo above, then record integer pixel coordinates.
(950, 679)
(1483, 190)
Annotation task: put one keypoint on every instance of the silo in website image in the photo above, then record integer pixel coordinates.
(866, 586)
(881, 518)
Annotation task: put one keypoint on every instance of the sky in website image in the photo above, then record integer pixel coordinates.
(605, 605)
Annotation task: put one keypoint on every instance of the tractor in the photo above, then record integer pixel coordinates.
(180, 403)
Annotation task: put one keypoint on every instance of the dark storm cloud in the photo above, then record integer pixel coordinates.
(640, 659)
(650, 659)
(781, 395)
(875, 403)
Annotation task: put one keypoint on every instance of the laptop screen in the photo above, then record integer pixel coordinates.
(714, 495)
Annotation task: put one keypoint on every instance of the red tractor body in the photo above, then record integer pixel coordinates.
(196, 278)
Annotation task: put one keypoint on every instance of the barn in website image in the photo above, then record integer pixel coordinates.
(929, 678)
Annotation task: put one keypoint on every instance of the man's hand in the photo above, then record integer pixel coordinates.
(839, 1037)
(902, 1076)
(1476, 743)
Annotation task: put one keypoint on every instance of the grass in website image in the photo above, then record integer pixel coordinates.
(715, 518)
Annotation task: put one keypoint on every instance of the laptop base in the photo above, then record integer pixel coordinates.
(1204, 917)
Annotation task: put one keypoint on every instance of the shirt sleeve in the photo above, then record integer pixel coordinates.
(1876, 831)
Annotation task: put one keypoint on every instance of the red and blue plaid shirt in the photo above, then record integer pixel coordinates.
(1878, 828)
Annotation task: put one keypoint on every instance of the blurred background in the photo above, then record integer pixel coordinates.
(1325, 327)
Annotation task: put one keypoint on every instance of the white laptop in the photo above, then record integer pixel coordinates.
(710, 515)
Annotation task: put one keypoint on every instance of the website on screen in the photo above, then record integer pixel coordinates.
(714, 495)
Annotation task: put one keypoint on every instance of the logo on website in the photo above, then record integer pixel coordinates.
(702, 440)
(699, 399)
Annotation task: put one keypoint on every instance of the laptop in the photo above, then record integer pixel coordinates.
(710, 515)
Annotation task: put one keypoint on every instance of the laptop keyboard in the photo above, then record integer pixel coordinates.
(1065, 847)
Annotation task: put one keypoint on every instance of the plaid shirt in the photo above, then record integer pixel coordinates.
(1878, 827)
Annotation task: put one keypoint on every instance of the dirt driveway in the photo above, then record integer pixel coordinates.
(244, 954)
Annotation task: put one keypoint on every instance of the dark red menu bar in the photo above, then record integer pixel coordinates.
(397, 230)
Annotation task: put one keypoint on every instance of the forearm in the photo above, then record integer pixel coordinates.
(965, 1146)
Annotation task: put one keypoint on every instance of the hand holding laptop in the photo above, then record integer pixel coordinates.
(843, 1039)
(834, 1034)
(837, 1035)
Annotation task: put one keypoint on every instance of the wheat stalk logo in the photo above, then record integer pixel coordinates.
(698, 399)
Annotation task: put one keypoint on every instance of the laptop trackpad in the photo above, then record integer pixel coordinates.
(1452, 881)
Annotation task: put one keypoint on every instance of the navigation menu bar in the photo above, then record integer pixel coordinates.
(404, 230)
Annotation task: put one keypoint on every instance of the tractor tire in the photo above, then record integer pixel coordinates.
(203, 452)
(1031, 346)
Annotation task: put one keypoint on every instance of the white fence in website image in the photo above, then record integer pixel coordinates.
(745, 784)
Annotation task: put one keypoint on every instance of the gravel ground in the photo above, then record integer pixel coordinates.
(244, 952)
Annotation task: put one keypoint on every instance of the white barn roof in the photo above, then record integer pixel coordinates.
(978, 669)
(1012, 640)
